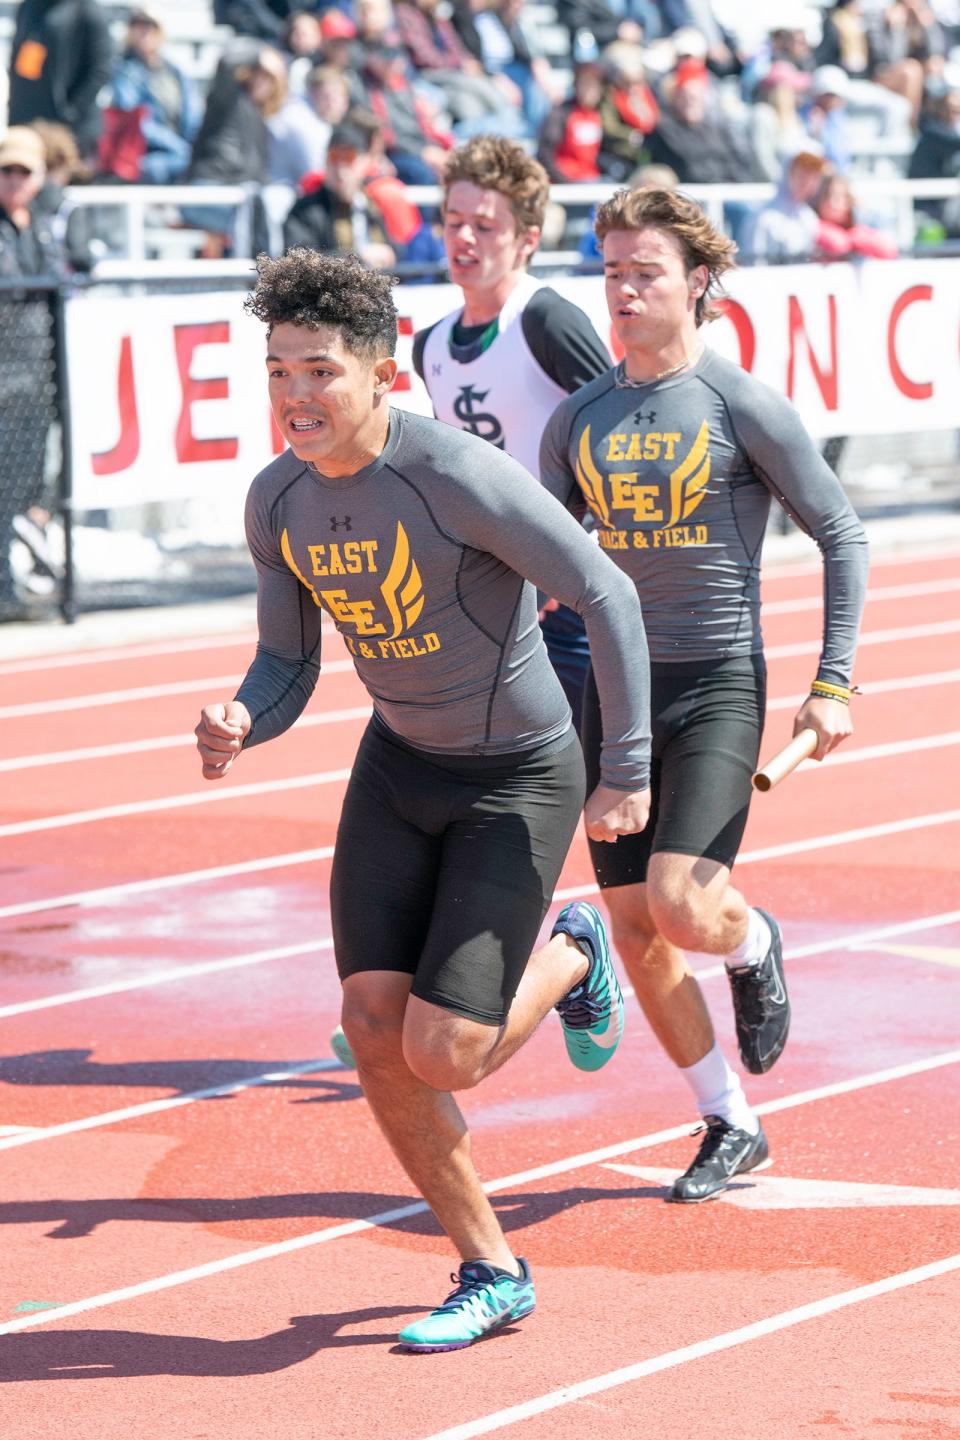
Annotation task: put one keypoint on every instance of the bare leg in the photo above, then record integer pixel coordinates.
(666, 990)
(453, 1053)
(423, 1126)
(686, 904)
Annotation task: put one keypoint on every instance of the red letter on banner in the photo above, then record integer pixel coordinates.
(746, 336)
(127, 448)
(187, 338)
(827, 381)
(913, 389)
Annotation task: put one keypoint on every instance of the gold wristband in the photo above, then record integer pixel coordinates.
(831, 692)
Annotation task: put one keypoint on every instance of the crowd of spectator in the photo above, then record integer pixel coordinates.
(334, 109)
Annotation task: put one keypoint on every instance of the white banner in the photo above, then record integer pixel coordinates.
(168, 393)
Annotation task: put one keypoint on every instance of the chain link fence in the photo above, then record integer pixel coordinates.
(31, 577)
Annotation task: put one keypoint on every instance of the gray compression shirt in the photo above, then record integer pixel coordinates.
(680, 475)
(419, 558)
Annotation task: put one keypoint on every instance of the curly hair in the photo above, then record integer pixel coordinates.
(493, 163)
(306, 288)
(677, 215)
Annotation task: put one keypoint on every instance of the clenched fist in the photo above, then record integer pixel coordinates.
(220, 736)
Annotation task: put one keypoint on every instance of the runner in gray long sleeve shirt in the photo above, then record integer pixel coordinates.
(469, 781)
(678, 453)
(680, 475)
(419, 558)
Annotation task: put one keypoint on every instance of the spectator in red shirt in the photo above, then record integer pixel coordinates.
(572, 135)
(839, 233)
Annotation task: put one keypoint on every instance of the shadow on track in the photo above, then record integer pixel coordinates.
(182, 1077)
(73, 1219)
(116, 1354)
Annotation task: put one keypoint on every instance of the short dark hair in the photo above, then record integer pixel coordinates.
(306, 288)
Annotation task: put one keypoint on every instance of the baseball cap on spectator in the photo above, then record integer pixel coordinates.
(334, 25)
(689, 41)
(782, 72)
(830, 80)
(689, 72)
(347, 137)
(23, 146)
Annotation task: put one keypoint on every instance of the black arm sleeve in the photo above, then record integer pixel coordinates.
(563, 341)
(419, 344)
(285, 668)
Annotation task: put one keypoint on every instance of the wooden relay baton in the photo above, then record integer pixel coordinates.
(779, 766)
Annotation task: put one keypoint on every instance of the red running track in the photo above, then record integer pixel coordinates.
(194, 1247)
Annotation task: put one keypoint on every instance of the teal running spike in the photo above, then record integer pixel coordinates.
(485, 1299)
(340, 1046)
(592, 1012)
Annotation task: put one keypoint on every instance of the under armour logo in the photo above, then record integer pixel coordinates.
(639, 416)
(436, 369)
(336, 524)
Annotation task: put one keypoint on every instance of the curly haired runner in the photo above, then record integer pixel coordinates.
(678, 454)
(468, 783)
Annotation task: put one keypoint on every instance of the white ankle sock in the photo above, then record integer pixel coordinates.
(755, 945)
(718, 1091)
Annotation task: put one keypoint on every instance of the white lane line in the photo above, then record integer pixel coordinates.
(361, 712)
(167, 882)
(515, 1414)
(171, 1102)
(63, 660)
(35, 1134)
(880, 593)
(165, 977)
(225, 682)
(492, 1187)
(164, 742)
(211, 683)
(796, 569)
(299, 857)
(297, 782)
(798, 847)
(863, 939)
(173, 802)
(871, 637)
(880, 752)
(878, 687)
(850, 837)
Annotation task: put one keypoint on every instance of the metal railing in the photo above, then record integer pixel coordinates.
(145, 228)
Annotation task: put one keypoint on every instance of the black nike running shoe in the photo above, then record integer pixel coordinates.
(760, 1005)
(724, 1151)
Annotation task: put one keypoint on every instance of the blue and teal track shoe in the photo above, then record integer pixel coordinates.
(340, 1046)
(592, 1012)
(485, 1298)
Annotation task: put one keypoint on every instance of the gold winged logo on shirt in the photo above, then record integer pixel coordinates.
(688, 483)
(591, 481)
(287, 554)
(402, 590)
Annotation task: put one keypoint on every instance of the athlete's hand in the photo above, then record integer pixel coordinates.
(220, 734)
(829, 718)
(611, 813)
(548, 605)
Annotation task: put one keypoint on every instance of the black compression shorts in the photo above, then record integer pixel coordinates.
(445, 865)
(707, 717)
